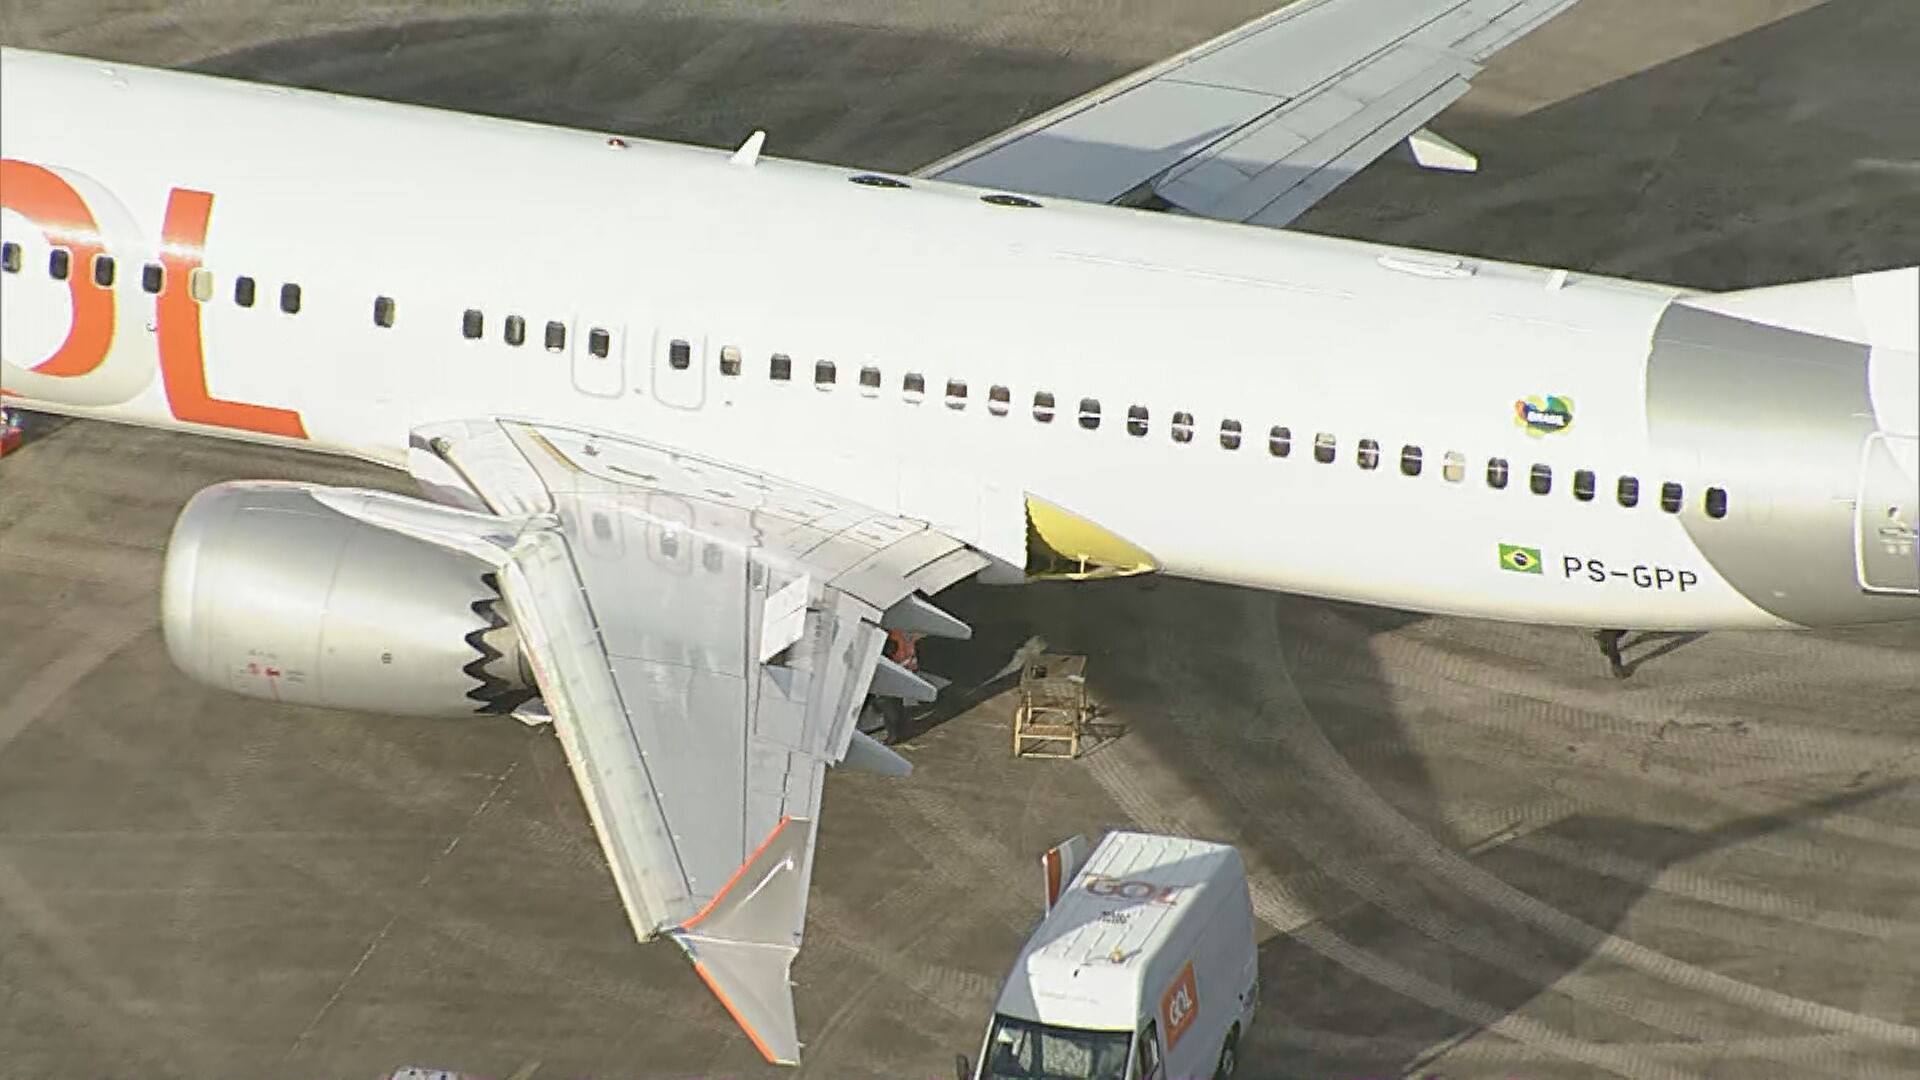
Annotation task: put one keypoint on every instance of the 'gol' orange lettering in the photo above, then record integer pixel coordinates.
(51, 203)
(182, 362)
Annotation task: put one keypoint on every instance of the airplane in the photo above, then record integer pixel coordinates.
(694, 430)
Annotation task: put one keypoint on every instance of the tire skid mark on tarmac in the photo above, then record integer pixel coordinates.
(1277, 906)
(1357, 875)
(1687, 884)
(1311, 748)
(1631, 716)
(1803, 1050)
(1514, 745)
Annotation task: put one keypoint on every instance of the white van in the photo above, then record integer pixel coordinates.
(1143, 969)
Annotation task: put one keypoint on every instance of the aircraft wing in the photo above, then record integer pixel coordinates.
(703, 639)
(1261, 123)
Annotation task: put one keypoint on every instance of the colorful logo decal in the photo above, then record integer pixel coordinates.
(1520, 560)
(1544, 417)
(1178, 1006)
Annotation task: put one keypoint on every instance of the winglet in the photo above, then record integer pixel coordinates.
(744, 941)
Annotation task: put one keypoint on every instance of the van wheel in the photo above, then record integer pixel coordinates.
(1229, 1055)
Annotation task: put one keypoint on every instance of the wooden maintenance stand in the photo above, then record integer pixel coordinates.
(1054, 712)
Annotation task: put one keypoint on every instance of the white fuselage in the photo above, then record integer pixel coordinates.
(656, 244)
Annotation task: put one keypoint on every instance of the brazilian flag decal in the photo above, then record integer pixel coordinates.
(1520, 560)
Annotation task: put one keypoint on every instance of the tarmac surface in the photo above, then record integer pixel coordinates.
(1474, 854)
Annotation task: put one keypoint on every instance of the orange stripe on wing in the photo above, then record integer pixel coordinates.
(727, 1003)
(735, 879)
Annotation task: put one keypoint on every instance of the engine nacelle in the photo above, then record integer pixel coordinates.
(270, 593)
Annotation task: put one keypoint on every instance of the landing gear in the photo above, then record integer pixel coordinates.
(1609, 642)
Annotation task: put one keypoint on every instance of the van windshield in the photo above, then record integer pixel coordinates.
(1023, 1050)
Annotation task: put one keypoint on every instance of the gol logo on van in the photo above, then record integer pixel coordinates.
(1144, 891)
(1179, 1005)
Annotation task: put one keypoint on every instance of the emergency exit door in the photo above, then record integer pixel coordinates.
(1887, 515)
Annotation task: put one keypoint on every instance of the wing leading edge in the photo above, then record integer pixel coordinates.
(703, 639)
(1261, 123)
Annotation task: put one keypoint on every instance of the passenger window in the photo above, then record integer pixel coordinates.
(200, 284)
(914, 386)
(870, 378)
(1583, 485)
(1453, 467)
(780, 367)
(824, 374)
(1280, 441)
(956, 394)
(472, 324)
(730, 361)
(1136, 419)
(1716, 503)
(1323, 448)
(1497, 473)
(153, 277)
(10, 257)
(1410, 462)
(1043, 406)
(556, 336)
(680, 355)
(383, 311)
(599, 342)
(1541, 481)
(59, 264)
(1628, 492)
(1670, 497)
(713, 558)
(1230, 434)
(290, 298)
(103, 271)
(1182, 427)
(243, 291)
(1369, 454)
(516, 330)
(999, 400)
(1089, 413)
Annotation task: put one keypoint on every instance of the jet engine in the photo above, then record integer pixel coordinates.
(269, 592)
